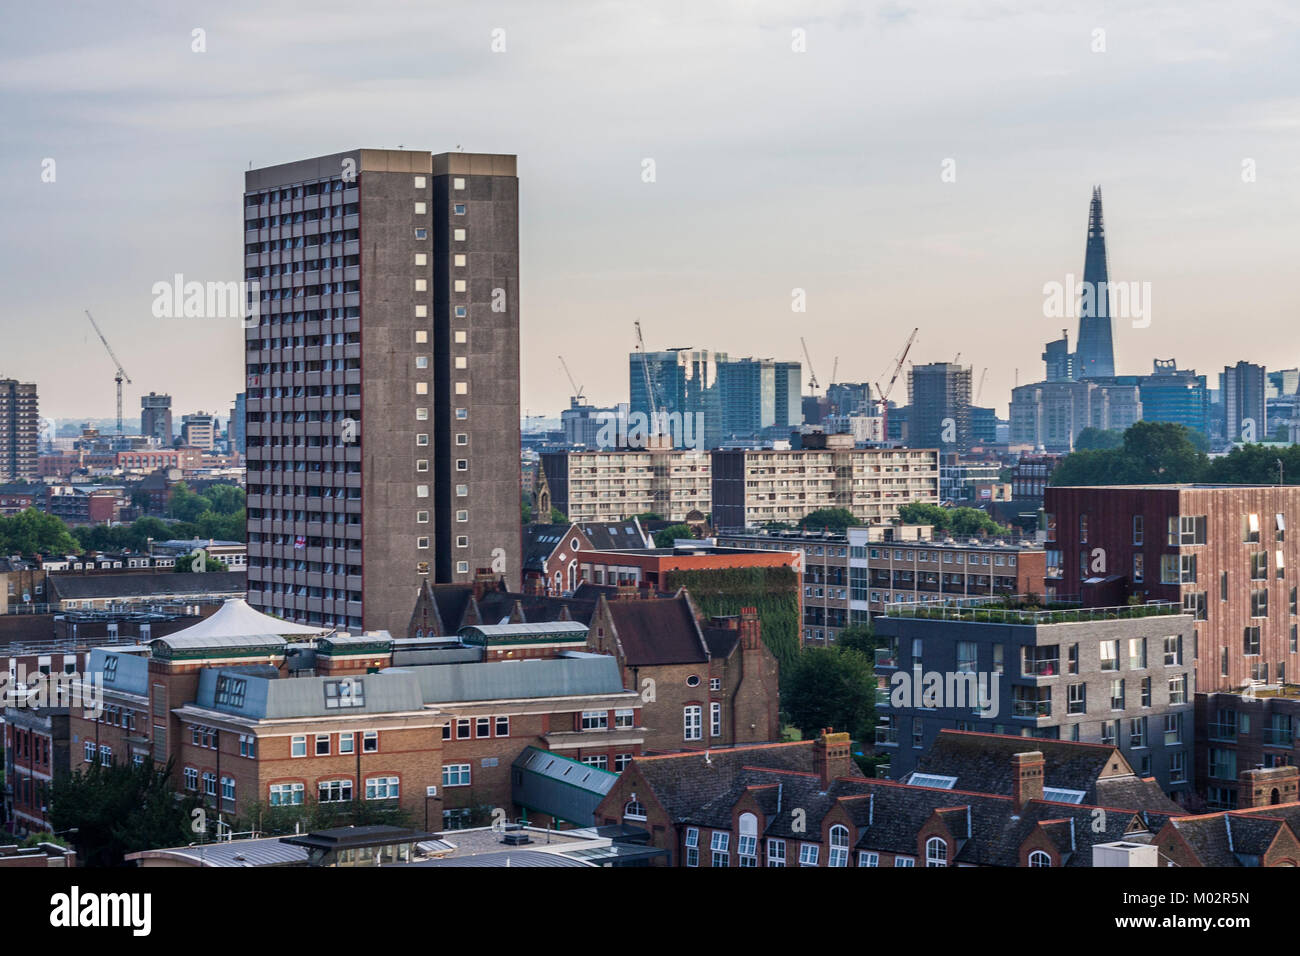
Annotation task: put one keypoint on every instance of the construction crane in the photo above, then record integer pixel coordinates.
(649, 388)
(813, 385)
(577, 389)
(884, 392)
(979, 390)
(121, 372)
(835, 371)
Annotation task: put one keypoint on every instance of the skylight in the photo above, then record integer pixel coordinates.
(1057, 795)
(937, 781)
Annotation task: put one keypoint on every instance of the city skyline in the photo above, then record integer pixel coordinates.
(600, 247)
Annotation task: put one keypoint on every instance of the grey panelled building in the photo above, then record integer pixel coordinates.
(20, 428)
(383, 380)
(1123, 677)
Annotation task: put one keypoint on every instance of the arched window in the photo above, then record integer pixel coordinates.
(839, 846)
(1039, 858)
(633, 810)
(747, 845)
(936, 852)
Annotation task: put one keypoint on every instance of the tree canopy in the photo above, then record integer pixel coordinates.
(1166, 452)
(828, 519)
(32, 532)
(963, 521)
(118, 809)
(665, 537)
(831, 687)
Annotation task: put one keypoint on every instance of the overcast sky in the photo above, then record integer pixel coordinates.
(775, 170)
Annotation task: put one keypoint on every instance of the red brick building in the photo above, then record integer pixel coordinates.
(807, 804)
(1224, 552)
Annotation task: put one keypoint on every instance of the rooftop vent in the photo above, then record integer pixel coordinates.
(516, 838)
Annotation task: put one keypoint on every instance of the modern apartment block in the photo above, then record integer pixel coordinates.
(756, 486)
(1119, 676)
(850, 578)
(939, 406)
(20, 427)
(1237, 732)
(383, 380)
(594, 486)
(156, 418)
(1222, 551)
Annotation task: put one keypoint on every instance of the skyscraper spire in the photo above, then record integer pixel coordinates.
(1095, 357)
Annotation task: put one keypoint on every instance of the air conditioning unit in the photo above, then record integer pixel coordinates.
(1123, 853)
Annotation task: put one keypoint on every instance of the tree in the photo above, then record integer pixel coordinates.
(33, 532)
(185, 564)
(858, 637)
(831, 687)
(665, 537)
(964, 521)
(829, 519)
(1151, 453)
(184, 504)
(649, 516)
(118, 809)
(1098, 439)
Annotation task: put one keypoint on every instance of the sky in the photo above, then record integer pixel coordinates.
(903, 165)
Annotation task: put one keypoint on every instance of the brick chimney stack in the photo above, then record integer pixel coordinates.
(1263, 787)
(831, 756)
(484, 581)
(1026, 777)
(751, 630)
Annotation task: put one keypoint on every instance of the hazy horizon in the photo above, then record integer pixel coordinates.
(775, 170)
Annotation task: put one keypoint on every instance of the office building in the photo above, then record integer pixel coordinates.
(939, 406)
(1244, 388)
(199, 431)
(383, 388)
(683, 382)
(156, 418)
(1095, 357)
(1048, 416)
(236, 429)
(1171, 394)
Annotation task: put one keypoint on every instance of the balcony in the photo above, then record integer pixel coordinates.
(1031, 708)
(1278, 737)
(886, 657)
(1015, 610)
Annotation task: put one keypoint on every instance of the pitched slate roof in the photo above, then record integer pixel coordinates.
(685, 782)
(655, 632)
(540, 542)
(981, 763)
(1236, 837)
(614, 535)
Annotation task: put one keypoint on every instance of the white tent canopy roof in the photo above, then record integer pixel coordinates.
(236, 619)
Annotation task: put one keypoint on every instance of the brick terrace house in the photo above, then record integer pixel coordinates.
(1265, 831)
(806, 804)
(711, 685)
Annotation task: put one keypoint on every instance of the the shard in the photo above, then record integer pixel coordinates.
(1095, 356)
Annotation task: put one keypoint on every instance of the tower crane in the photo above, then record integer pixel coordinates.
(813, 384)
(979, 390)
(884, 392)
(577, 389)
(121, 372)
(649, 387)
